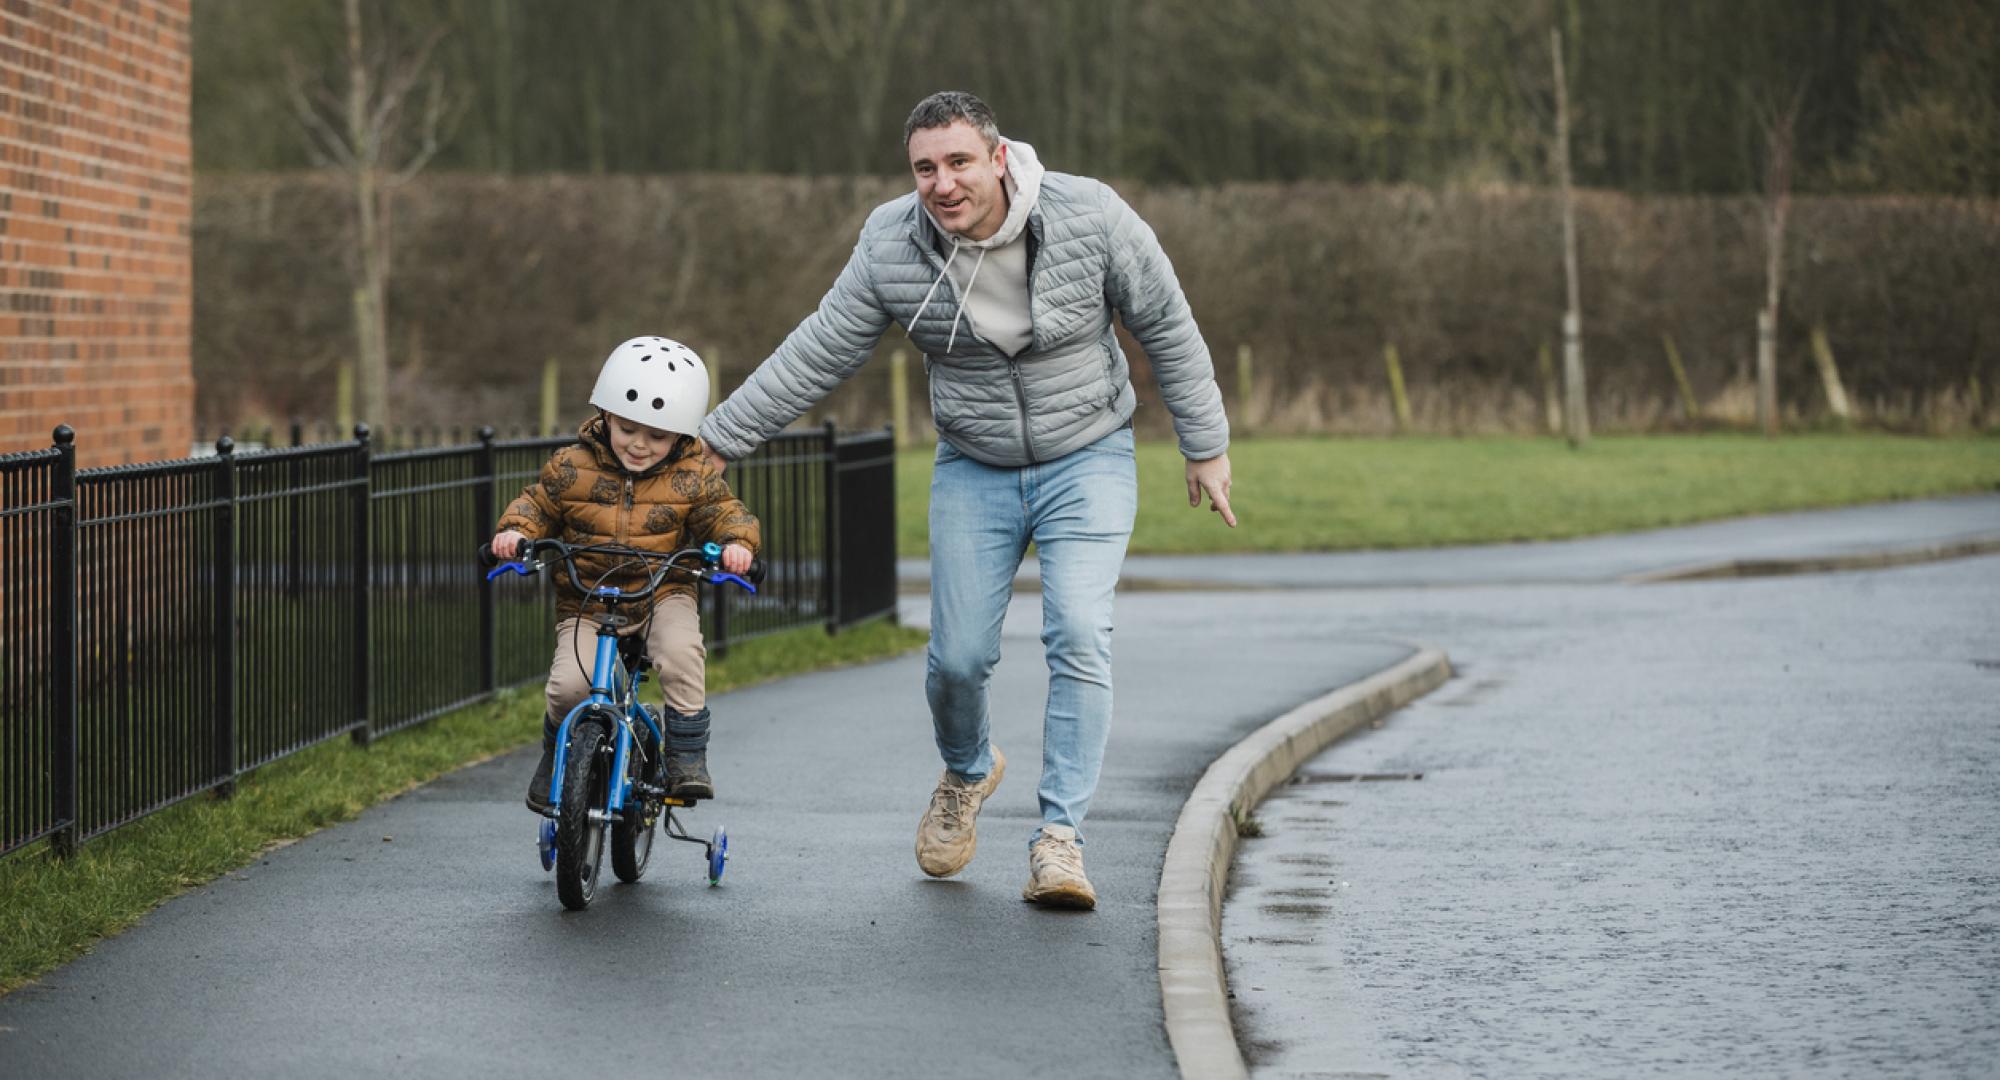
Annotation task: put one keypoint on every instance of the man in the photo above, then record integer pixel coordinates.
(1007, 277)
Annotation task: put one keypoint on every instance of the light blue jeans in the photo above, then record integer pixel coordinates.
(1078, 511)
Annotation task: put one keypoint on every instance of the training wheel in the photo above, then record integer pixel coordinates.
(545, 842)
(718, 855)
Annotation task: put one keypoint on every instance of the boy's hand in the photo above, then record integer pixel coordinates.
(508, 544)
(736, 559)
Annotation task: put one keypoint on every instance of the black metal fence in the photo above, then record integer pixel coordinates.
(170, 626)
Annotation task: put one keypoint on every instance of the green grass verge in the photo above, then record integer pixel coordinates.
(52, 910)
(1343, 494)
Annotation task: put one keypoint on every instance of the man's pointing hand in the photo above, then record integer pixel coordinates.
(1212, 477)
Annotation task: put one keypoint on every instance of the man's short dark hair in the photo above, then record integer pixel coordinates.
(947, 107)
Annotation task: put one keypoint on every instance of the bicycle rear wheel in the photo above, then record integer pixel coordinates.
(586, 784)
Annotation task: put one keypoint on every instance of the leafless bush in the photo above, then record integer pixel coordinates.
(499, 275)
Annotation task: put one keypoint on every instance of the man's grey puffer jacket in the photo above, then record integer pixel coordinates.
(1089, 255)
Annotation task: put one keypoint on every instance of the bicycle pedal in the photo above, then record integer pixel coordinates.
(682, 803)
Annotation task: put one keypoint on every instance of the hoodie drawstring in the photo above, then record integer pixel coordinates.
(963, 299)
(919, 316)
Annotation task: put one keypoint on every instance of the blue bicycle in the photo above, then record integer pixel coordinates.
(608, 787)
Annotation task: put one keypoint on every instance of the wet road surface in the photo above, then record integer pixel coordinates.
(1718, 828)
(423, 938)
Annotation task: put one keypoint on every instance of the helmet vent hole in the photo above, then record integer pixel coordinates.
(633, 395)
(659, 403)
(670, 366)
(645, 358)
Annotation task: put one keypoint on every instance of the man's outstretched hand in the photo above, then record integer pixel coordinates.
(1212, 477)
(714, 458)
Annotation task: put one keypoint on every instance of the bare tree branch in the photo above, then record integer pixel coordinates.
(435, 110)
(323, 142)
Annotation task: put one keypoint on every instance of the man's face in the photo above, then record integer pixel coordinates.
(958, 179)
(637, 445)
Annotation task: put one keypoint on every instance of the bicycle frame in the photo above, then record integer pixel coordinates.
(610, 684)
(571, 839)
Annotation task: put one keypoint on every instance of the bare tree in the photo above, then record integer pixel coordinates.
(361, 123)
(858, 39)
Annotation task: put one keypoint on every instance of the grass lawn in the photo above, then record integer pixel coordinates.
(52, 910)
(1338, 494)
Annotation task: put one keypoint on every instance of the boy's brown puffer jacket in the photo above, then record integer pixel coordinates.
(586, 496)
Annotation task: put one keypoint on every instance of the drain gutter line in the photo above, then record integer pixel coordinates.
(1193, 984)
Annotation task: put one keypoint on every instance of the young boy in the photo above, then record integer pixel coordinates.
(637, 477)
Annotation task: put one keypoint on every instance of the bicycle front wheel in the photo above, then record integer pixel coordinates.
(632, 835)
(586, 786)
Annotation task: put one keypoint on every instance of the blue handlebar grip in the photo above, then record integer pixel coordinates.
(518, 568)
(720, 577)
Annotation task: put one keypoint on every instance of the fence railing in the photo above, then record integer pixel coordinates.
(169, 626)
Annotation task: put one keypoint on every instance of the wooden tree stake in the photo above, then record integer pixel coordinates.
(1394, 362)
(1689, 406)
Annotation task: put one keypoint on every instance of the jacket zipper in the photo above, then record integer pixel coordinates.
(625, 519)
(1021, 399)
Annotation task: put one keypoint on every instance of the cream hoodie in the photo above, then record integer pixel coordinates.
(992, 277)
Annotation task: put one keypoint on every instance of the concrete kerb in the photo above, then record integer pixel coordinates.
(1193, 985)
(1821, 564)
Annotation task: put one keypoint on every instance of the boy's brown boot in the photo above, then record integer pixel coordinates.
(1055, 871)
(687, 775)
(948, 835)
(538, 784)
(687, 756)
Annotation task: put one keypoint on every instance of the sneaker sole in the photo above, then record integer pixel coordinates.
(1067, 899)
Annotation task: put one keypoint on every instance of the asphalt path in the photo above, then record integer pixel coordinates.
(423, 937)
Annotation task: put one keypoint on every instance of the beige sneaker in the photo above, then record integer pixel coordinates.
(1055, 871)
(948, 834)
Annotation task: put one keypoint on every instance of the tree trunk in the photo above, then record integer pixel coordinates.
(370, 332)
(1778, 141)
(1576, 402)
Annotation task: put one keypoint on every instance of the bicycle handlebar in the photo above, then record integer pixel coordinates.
(526, 563)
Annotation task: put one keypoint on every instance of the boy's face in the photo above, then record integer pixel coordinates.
(638, 447)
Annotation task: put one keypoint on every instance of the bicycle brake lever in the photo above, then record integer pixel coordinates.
(721, 576)
(518, 568)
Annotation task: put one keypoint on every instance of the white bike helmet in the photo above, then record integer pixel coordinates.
(656, 382)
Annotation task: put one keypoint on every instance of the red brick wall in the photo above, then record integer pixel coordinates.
(96, 277)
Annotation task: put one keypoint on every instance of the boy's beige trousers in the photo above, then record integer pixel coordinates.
(673, 640)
